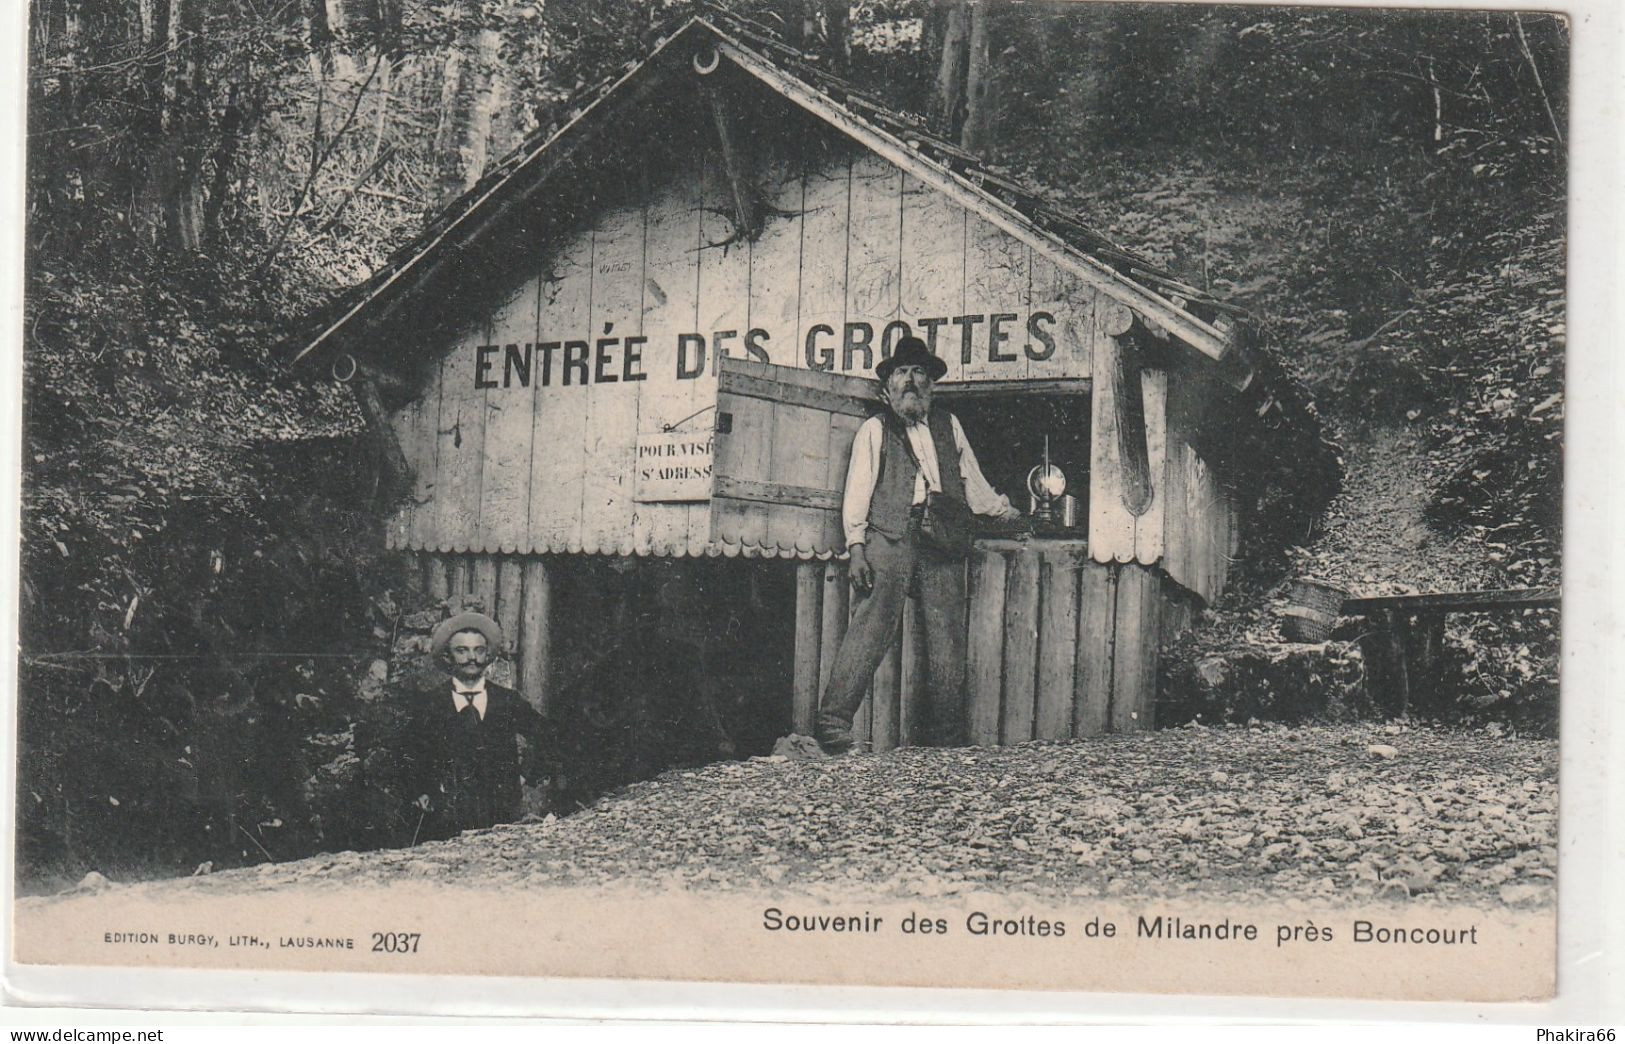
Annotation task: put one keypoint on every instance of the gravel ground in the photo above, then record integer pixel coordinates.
(1354, 813)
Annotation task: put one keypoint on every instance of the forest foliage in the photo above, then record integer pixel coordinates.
(202, 575)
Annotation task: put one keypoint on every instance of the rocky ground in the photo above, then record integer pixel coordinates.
(1355, 813)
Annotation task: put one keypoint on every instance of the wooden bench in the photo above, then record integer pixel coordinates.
(1403, 643)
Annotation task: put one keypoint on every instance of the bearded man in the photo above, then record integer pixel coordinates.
(897, 459)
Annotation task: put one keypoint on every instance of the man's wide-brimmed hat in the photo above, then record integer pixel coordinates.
(911, 351)
(465, 622)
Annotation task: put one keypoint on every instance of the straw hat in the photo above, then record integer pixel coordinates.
(465, 622)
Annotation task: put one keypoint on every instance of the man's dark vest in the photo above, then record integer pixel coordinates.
(894, 484)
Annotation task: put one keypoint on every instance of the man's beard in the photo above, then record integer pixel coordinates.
(912, 408)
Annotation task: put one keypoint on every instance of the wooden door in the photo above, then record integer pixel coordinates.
(783, 439)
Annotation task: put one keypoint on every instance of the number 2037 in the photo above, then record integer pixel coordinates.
(395, 942)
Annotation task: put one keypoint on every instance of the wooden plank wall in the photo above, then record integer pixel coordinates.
(517, 591)
(1199, 519)
(854, 254)
(1059, 646)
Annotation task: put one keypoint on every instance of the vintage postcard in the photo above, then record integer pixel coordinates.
(1058, 497)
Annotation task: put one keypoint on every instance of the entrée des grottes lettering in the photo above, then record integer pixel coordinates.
(855, 348)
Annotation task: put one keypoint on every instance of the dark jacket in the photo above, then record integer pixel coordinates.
(468, 767)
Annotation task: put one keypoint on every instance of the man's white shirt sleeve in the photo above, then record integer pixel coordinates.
(861, 472)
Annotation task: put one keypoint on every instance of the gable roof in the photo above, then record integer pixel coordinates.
(1271, 423)
(1209, 326)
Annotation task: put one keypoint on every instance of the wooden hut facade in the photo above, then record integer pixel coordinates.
(650, 335)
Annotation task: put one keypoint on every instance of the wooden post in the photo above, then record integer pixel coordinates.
(883, 698)
(457, 581)
(485, 583)
(1134, 659)
(984, 648)
(1396, 632)
(1097, 626)
(536, 634)
(1375, 651)
(809, 621)
(1426, 652)
(397, 473)
(747, 209)
(912, 684)
(510, 609)
(435, 580)
(1020, 647)
(833, 629)
(1057, 647)
(863, 720)
(1128, 402)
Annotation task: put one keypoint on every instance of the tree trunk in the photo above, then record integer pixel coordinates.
(385, 94)
(224, 162)
(319, 36)
(338, 26)
(147, 11)
(838, 30)
(980, 101)
(798, 24)
(947, 104)
(469, 96)
(67, 44)
(169, 196)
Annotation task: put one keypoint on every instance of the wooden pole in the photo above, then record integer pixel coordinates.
(912, 683)
(809, 627)
(397, 473)
(883, 700)
(485, 583)
(435, 580)
(1128, 403)
(1020, 647)
(1097, 620)
(833, 629)
(864, 720)
(1396, 631)
(510, 608)
(457, 581)
(984, 648)
(1057, 646)
(1426, 655)
(1134, 659)
(747, 211)
(536, 633)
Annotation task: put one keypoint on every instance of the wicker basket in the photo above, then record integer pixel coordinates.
(1311, 610)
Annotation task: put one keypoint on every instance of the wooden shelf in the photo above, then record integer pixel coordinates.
(1036, 542)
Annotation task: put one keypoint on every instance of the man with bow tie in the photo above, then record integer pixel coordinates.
(461, 743)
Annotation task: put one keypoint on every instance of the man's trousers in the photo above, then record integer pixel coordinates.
(902, 568)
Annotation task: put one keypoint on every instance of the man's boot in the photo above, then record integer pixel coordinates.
(833, 733)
